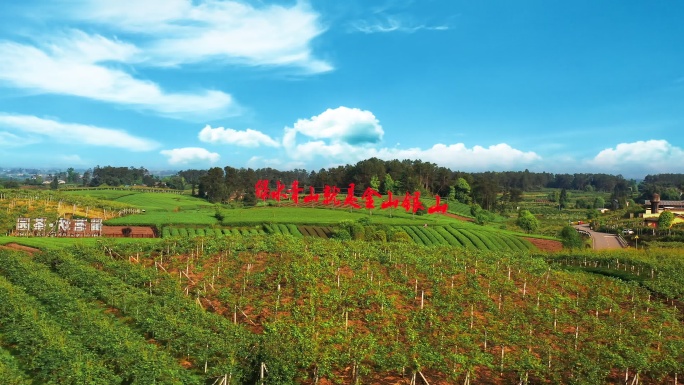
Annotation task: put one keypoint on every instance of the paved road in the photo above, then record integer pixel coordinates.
(601, 241)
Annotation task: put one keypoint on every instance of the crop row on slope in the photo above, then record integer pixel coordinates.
(206, 342)
(284, 229)
(482, 239)
(660, 270)
(41, 346)
(324, 232)
(321, 309)
(136, 361)
(175, 231)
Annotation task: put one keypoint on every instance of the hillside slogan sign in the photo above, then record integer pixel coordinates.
(410, 202)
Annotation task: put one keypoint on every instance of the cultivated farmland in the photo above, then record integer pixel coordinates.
(235, 308)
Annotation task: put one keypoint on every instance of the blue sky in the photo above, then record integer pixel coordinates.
(497, 85)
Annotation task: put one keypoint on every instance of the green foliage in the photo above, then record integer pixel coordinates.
(592, 214)
(571, 238)
(665, 219)
(564, 198)
(462, 191)
(401, 236)
(218, 214)
(342, 235)
(389, 184)
(475, 209)
(364, 221)
(528, 222)
(312, 309)
(375, 183)
(599, 203)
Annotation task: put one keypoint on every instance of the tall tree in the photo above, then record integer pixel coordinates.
(375, 183)
(389, 184)
(54, 185)
(86, 177)
(564, 198)
(212, 185)
(527, 221)
(462, 191)
(72, 175)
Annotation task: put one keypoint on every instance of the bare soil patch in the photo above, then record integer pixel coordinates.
(546, 244)
(136, 231)
(16, 246)
(460, 218)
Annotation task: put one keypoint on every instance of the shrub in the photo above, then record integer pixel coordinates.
(342, 235)
(401, 236)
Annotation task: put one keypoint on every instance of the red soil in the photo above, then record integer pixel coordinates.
(15, 246)
(460, 218)
(136, 231)
(546, 244)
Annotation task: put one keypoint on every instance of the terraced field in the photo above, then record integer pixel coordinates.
(467, 237)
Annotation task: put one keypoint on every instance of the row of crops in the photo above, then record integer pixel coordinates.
(171, 231)
(283, 229)
(481, 238)
(317, 231)
(468, 237)
(281, 310)
(276, 228)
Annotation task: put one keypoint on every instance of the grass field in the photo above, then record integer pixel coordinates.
(159, 208)
(164, 209)
(191, 216)
(110, 195)
(52, 242)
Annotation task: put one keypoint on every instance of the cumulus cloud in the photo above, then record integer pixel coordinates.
(71, 133)
(333, 131)
(189, 155)
(183, 31)
(247, 138)
(650, 156)
(77, 65)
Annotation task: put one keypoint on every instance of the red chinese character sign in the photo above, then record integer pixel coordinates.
(410, 202)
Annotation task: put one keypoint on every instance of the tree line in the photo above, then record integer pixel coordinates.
(483, 188)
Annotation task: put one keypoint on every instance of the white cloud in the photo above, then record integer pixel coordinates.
(641, 157)
(247, 138)
(180, 31)
(275, 163)
(459, 157)
(75, 65)
(8, 139)
(189, 155)
(72, 133)
(393, 24)
(339, 129)
(348, 135)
